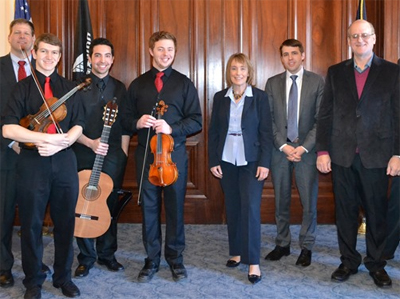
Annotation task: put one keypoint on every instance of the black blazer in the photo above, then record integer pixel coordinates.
(256, 128)
(370, 123)
(7, 82)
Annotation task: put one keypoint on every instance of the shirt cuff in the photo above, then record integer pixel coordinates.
(321, 153)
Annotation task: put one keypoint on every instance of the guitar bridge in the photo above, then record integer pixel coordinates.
(86, 217)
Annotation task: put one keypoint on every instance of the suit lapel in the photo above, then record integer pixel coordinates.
(8, 67)
(373, 74)
(350, 78)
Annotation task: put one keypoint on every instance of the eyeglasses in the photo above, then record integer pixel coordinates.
(364, 36)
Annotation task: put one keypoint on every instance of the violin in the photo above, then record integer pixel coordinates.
(163, 171)
(53, 111)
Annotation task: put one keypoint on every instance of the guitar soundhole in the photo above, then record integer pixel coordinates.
(91, 193)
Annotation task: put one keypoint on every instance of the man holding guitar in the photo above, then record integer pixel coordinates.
(103, 89)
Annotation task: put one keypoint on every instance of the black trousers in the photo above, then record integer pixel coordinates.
(41, 181)
(393, 218)
(174, 197)
(7, 214)
(355, 186)
(242, 193)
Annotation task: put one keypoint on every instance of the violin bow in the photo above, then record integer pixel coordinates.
(139, 200)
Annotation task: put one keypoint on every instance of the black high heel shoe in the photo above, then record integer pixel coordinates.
(254, 278)
(232, 263)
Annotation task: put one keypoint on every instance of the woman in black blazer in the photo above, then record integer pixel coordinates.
(239, 147)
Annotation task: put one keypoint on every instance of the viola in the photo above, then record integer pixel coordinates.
(54, 110)
(163, 171)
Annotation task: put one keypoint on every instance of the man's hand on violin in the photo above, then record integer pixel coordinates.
(99, 147)
(145, 122)
(161, 126)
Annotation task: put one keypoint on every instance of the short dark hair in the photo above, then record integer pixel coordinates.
(22, 21)
(100, 41)
(156, 36)
(48, 38)
(291, 42)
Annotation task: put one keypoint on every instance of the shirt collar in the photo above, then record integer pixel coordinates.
(368, 65)
(299, 75)
(97, 79)
(166, 72)
(247, 93)
(15, 58)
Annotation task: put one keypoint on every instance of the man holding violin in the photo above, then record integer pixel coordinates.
(181, 118)
(46, 171)
(13, 68)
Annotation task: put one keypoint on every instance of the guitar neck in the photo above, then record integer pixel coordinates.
(98, 162)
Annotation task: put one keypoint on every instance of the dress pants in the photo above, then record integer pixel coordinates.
(306, 177)
(47, 180)
(243, 193)
(7, 215)
(393, 218)
(352, 185)
(174, 197)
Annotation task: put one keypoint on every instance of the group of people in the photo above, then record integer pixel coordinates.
(297, 126)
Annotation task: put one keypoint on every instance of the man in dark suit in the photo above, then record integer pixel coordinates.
(13, 67)
(358, 139)
(294, 153)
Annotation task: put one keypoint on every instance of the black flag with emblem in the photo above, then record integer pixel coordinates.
(83, 39)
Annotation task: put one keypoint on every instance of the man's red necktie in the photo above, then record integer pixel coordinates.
(21, 70)
(48, 93)
(158, 82)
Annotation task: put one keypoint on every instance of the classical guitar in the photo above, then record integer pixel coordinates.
(92, 216)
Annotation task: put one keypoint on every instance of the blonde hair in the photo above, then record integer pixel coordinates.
(241, 58)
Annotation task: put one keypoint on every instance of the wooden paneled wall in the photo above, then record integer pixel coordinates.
(208, 32)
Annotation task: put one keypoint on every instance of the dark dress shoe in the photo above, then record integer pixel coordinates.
(278, 253)
(254, 278)
(381, 278)
(304, 258)
(6, 279)
(342, 273)
(111, 265)
(146, 274)
(178, 272)
(69, 289)
(45, 269)
(232, 263)
(82, 270)
(33, 293)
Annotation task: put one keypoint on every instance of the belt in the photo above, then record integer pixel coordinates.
(294, 141)
(235, 134)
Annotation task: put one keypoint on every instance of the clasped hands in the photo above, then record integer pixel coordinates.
(293, 154)
(52, 144)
